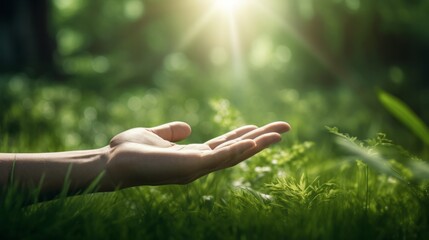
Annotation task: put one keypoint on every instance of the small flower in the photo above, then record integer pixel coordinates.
(266, 196)
(208, 198)
(262, 169)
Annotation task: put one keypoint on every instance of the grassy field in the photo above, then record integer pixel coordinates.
(317, 184)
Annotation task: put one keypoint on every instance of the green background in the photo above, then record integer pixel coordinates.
(74, 73)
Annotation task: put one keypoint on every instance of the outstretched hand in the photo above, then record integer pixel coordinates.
(149, 156)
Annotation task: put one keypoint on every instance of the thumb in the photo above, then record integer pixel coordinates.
(173, 132)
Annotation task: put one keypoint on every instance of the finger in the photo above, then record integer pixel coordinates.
(214, 158)
(213, 143)
(275, 127)
(227, 157)
(228, 143)
(174, 131)
(262, 142)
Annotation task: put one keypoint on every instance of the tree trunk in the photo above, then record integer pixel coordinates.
(26, 44)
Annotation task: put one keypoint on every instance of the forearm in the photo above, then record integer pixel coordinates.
(50, 171)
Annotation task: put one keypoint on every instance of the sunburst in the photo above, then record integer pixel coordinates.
(226, 12)
(229, 5)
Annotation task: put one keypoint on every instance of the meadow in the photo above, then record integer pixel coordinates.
(353, 166)
(336, 186)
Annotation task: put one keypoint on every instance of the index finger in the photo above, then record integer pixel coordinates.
(274, 127)
(213, 143)
(211, 160)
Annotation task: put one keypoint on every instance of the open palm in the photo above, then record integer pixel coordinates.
(149, 156)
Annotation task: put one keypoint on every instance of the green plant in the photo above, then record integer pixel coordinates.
(405, 115)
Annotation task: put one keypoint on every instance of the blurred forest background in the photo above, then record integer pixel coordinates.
(73, 73)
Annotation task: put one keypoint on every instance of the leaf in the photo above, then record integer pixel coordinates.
(404, 114)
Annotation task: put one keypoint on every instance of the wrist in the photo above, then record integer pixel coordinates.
(89, 168)
(101, 171)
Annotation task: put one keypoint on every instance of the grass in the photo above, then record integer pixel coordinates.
(334, 187)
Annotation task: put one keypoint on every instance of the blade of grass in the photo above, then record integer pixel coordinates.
(94, 184)
(67, 183)
(373, 159)
(404, 114)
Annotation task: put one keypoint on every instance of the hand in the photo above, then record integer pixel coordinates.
(148, 156)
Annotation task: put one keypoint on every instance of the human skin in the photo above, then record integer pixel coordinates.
(138, 156)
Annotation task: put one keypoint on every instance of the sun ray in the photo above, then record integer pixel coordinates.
(237, 58)
(223, 12)
(335, 68)
(229, 5)
(195, 29)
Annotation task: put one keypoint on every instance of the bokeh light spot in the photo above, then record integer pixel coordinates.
(134, 103)
(353, 4)
(396, 75)
(133, 9)
(176, 62)
(72, 140)
(69, 41)
(306, 9)
(90, 113)
(68, 7)
(100, 64)
(16, 84)
(261, 53)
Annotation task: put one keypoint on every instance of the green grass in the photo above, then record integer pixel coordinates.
(349, 205)
(316, 184)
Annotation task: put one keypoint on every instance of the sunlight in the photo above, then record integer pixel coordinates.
(195, 29)
(229, 5)
(231, 8)
(332, 66)
(238, 67)
(225, 14)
